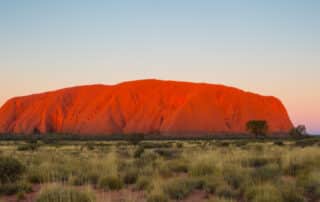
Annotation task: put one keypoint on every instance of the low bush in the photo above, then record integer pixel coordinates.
(167, 153)
(279, 143)
(85, 177)
(263, 193)
(179, 145)
(59, 194)
(236, 176)
(110, 183)
(131, 175)
(10, 169)
(307, 142)
(145, 159)
(226, 191)
(202, 168)
(138, 152)
(28, 147)
(240, 143)
(35, 178)
(257, 161)
(223, 144)
(123, 152)
(267, 172)
(178, 189)
(151, 145)
(163, 169)
(295, 168)
(178, 166)
(291, 193)
(212, 183)
(143, 183)
(13, 188)
(311, 184)
(90, 146)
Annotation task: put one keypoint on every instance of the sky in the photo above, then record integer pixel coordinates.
(268, 47)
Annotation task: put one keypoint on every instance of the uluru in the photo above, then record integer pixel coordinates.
(145, 106)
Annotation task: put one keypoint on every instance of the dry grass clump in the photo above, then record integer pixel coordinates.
(11, 169)
(156, 193)
(181, 187)
(110, 183)
(64, 194)
(263, 193)
(143, 183)
(310, 183)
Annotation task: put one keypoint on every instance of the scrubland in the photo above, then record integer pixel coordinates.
(160, 171)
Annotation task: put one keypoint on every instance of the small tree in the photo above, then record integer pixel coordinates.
(298, 131)
(257, 127)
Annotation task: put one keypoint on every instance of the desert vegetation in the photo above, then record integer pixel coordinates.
(266, 170)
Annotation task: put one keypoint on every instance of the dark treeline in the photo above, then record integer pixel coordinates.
(139, 137)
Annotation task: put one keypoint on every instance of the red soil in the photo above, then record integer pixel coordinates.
(146, 106)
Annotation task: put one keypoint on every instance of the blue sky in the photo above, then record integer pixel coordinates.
(269, 47)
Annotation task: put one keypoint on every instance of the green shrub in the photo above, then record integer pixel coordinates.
(179, 145)
(143, 183)
(151, 145)
(163, 169)
(240, 143)
(85, 177)
(257, 161)
(311, 184)
(90, 146)
(226, 191)
(279, 143)
(291, 193)
(138, 152)
(307, 142)
(110, 183)
(267, 172)
(178, 166)
(123, 152)
(180, 188)
(9, 189)
(302, 166)
(146, 158)
(223, 144)
(236, 176)
(13, 188)
(58, 194)
(35, 178)
(212, 183)
(131, 175)
(28, 147)
(167, 153)
(263, 193)
(202, 168)
(10, 169)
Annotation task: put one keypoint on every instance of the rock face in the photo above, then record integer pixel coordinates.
(145, 106)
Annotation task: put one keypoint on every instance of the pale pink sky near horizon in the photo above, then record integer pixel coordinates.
(266, 47)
